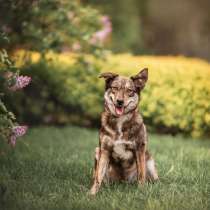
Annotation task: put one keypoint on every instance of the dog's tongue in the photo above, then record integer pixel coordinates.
(119, 110)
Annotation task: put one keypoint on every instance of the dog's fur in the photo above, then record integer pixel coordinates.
(122, 154)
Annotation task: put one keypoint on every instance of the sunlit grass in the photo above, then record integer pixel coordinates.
(51, 168)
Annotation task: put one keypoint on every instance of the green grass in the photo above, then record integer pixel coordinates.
(51, 169)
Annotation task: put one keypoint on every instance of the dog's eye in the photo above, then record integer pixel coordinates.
(130, 92)
(114, 89)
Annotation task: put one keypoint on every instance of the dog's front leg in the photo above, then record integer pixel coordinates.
(100, 172)
(141, 155)
(141, 164)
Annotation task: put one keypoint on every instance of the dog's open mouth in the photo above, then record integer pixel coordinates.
(119, 110)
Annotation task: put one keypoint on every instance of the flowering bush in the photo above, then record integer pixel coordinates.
(9, 81)
(17, 131)
(52, 25)
(44, 26)
(101, 36)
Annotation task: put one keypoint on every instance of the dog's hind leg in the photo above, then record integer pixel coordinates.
(151, 171)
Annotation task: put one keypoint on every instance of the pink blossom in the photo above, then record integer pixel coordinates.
(101, 36)
(20, 82)
(17, 131)
(105, 20)
(12, 140)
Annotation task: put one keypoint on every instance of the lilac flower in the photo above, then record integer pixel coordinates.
(17, 131)
(106, 21)
(101, 36)
(12, 140)
(20, 82)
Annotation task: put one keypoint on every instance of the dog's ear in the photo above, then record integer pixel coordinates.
(140, 79)
(109, 77)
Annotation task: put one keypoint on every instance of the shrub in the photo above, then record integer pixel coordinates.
(49, 25)
(10, 81)
(176, 98)
(177, 95)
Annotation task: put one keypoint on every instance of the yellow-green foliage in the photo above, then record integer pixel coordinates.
(176, 97)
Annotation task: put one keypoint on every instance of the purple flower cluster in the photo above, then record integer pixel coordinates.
(20, 82)
(15, 82)
(101, 36)
(17, 131)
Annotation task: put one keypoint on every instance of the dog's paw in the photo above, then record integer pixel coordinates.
(93, 190)
(141, 182)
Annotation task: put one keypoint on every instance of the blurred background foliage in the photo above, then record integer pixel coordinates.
(175, 100)
(127, 19)
(159, 26)
(44, 25)
(64, 45)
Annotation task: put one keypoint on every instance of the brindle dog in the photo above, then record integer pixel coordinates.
(122, 154)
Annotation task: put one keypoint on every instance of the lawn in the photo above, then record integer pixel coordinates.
(51, 169)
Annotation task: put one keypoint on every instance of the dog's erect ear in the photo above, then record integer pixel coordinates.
(140, 79)
(108, 76)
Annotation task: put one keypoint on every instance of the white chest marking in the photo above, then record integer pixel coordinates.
(119, 150)
(120, 121)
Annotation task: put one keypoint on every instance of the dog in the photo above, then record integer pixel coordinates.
(122, 154)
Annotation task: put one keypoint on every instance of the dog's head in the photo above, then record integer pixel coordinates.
(122, 94)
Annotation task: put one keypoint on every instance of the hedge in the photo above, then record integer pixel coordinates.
(176, 98)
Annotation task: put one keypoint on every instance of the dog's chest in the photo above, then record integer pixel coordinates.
(122, 145)
(119, 126)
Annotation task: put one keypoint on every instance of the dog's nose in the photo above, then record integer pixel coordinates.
(120, 102)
